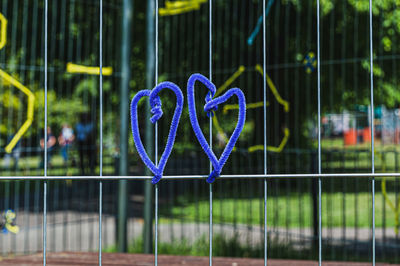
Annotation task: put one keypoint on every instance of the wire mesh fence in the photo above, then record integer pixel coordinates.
(295, 61)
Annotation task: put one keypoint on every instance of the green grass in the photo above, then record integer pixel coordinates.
(340, 158)
(286, 210)
(338, 143)
(26, 164)
(181, 247)
(344, 159)
(222, 247)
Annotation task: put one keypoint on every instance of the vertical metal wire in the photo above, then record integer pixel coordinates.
(156, 226)
(24, 78)
(265, 134)
(46, 13)
(101, 130)
(210, 6)
(156, 140)
(319, 138)
(372, 130)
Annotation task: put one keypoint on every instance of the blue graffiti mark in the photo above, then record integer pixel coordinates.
(256, 30)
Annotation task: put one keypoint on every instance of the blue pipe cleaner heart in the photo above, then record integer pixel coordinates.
(211, 105)
(156, 110)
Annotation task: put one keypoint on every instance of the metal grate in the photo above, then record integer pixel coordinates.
(265, 176)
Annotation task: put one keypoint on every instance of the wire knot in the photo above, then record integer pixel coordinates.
(210, 107)
(214, 174)
(155, 179)
(156, 110)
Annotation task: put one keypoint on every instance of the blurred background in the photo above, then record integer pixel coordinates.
(237, 59)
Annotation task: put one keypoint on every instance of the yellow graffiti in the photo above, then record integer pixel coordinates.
(3, 34)
(180, 7)
(12, 228)
(31, 101)
(394, 207)
(12, 81)
(275, 92)
(248, 106)
(230, 80)
(228, 107)
(285, 139)
(271, 85)
(74, 68)
(9, 224)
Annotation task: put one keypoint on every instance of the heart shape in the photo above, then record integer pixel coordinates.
(212, 105)
(156, 110)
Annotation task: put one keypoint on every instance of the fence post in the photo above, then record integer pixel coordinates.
(150, 70)
(123, 160)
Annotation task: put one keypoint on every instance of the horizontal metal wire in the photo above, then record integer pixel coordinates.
(182, 177)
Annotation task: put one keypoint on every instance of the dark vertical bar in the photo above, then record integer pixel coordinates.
(396, 200)
(127, 16)
(343, 74)
(53, 190)
(265, 134)
(46, 11)
(210, 9)
(150, 70)
(372, 129)
(314, 193)
(156, 139)
(319, 137)
(24, 79)
(101, 129)
(355, 85)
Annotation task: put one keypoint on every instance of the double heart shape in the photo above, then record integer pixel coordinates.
(210, 106)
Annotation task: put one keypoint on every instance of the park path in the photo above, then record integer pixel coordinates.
(78, 231)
